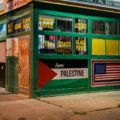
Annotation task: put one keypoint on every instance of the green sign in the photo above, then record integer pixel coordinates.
(115, 4)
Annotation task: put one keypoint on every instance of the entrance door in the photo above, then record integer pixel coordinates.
(2, 64)
(24, 83)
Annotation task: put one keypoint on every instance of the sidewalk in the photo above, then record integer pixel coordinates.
(89, 106)
(3, 91)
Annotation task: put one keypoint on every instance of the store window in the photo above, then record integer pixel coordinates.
(80, 25)
(2, 30)
(111, 28)
(81, 45)
(64, 24)
(46, 44)
(98, 46)
(64, 45)
(46, 22)
(98, 27)
(111, 47)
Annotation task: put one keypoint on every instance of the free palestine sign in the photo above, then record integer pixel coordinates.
(114, 4)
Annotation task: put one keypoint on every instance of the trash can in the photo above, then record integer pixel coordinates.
(12, 74)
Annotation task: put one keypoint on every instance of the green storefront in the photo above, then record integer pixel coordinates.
(60, 47)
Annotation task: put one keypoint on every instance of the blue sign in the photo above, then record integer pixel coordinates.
(115, 4)
(2, 30)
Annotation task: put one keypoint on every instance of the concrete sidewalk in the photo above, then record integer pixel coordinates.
(90, 106)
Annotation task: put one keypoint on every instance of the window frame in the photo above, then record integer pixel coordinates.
(73, 34)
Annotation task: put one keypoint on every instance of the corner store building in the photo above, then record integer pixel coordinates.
(57, 46)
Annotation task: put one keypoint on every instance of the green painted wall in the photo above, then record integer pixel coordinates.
(75, 85)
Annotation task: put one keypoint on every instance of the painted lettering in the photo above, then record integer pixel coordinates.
(72, 73)
(58, 65)
(80, 25)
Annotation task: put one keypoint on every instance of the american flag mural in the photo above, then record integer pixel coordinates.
(105, 72)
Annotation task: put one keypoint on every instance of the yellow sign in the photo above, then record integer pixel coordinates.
(49, 20)
(46, 22)
(18, 26)
(26, 23)
(64, 44)
(10, 27)
(48, 44)
(80, 25)
(81, 45)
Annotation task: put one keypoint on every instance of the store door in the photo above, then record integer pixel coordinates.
(24, 76)
(2, 64)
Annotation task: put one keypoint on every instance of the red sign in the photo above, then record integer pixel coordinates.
(13, 4)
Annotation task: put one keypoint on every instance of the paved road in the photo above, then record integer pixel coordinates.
(90, 106)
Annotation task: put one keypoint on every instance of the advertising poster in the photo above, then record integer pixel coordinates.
(26, 23)
(19, 25)
(61, 70)
(1, 5)
(10, 27)
(105, 72)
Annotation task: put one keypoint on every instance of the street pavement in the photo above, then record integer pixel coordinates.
(88, 106)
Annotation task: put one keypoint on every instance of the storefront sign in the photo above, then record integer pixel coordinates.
(46, 22)
(80, 26)
(71, 73)
(19, 25)
(115, 4)
(80, 45)
(64, 44)
(26, 23)
(10, 28)
(61, 69)
(2, 30)
(13, 4)
(1, 5)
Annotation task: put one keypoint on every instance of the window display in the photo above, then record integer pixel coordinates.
(80, 25)
(46, 44)
(46, 22)
(81, 45)
(64, 45)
